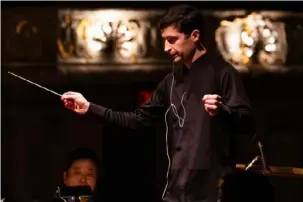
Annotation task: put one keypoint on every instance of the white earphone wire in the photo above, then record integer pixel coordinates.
(181, 121)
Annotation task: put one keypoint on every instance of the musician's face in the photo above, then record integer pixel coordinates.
(179, 46)
(82, 172)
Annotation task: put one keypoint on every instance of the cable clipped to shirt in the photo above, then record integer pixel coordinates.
(181, 121)
(173, 106)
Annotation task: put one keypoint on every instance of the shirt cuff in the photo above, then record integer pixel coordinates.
(225, 111)
(96, 109)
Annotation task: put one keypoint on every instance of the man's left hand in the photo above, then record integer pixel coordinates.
(212, 104)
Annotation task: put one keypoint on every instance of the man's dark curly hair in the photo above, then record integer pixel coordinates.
(185, 18)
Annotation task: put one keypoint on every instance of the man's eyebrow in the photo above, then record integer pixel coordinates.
(75, 168)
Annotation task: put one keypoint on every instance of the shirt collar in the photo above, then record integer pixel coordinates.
(180, 72)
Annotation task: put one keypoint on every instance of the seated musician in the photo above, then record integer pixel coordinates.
(82, 169)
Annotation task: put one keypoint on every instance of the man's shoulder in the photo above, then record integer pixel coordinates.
(220, 63)
(222, 66)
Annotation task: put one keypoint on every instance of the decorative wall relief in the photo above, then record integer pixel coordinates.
(23, 42)
(253, 40)
(109, 37)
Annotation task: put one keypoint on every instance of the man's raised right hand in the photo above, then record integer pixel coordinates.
(75, 102)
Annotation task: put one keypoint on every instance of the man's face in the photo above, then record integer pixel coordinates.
(82, 172)
(178, 45)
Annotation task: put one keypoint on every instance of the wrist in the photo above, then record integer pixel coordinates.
(224, 110)
(86, 107)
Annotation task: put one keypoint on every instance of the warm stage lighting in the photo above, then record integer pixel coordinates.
(253, 40)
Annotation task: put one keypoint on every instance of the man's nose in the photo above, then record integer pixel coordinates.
(83, 179)
(167, 47)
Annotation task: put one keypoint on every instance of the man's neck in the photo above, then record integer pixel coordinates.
(196, 55)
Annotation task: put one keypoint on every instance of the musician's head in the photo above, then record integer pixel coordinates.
(181, 30)
(82, 169)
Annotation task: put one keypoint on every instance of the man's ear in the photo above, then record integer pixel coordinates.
(195, 35)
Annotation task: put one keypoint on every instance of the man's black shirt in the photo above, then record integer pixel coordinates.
(200, 151)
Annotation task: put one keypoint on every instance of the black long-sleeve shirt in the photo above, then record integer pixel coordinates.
(200, 151)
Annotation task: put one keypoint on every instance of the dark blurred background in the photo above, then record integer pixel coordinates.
(37, 131)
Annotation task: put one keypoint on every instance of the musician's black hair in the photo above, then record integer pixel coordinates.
(185, 18)
(82, 153)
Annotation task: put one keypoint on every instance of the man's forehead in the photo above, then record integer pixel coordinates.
(170, 30)
(83, 162)
(80, 166)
